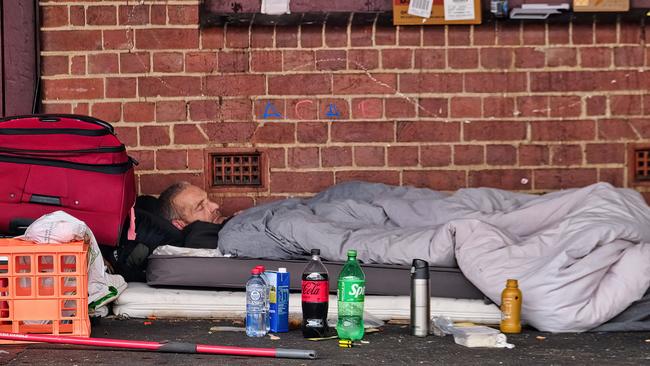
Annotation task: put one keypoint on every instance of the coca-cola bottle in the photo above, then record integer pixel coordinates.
(315, 298)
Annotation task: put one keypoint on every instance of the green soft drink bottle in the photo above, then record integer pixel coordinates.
(351, 294)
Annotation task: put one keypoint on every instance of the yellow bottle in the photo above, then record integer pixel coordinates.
(511, 308)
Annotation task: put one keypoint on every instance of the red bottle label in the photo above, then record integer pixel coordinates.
(315, 291)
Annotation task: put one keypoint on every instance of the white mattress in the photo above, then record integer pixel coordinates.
(142, 301)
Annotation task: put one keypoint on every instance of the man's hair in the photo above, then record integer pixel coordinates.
(166, 200)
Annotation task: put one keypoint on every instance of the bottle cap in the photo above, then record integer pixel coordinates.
(255, 271)
(511, 283)
(315, 252)
(261, 268)
(282, 270)
(420, 269)
(352, 253)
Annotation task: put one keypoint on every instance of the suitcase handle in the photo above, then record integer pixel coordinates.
(57, 118)
(45, 200)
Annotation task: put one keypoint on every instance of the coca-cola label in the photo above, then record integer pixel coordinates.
(352, 290)
(315, 291)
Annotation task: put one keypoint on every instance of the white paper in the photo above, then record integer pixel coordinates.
(420, 8)
(275, 7)
(459, 9)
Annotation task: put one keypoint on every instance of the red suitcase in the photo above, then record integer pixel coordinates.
(64, 162)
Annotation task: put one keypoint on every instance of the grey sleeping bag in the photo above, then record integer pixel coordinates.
(581, 255)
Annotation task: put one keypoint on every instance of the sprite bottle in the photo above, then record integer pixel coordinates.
(351, 293)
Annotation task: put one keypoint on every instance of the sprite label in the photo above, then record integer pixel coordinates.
(351, 290)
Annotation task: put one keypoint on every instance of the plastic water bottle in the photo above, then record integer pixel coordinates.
(351, 294)
(256, 314)
(267, 283)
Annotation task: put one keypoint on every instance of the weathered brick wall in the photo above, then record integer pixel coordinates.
(529, 107)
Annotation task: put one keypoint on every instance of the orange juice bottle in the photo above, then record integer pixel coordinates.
(511, 308)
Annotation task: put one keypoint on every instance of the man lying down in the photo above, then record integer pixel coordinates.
(581, 255)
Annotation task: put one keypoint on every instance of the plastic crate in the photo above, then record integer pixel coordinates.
(44, 288)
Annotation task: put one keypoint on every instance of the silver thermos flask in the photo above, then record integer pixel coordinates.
(420, 298)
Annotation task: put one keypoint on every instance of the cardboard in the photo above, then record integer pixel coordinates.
(601, 5)
(401, 16)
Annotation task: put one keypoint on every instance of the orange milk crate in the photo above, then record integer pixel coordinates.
(44, 288)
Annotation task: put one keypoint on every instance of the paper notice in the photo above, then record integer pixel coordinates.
(275, 7)
(420, 8)
(459, 9)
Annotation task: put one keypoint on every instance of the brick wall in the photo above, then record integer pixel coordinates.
(529, 107)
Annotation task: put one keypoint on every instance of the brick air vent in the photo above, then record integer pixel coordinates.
(235, 170)
(639, 164)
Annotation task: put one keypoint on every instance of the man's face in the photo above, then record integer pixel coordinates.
(193, 204)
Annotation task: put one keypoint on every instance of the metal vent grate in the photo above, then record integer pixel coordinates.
(236, 170)
(642, 165)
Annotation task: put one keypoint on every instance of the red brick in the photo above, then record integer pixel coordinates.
(561, 56)
(642, 126)
(73, 89)
(528, 57)
(276, 157)
(195, 159)
(262, 36)
(435, 155)
(171, 159)
(336, 156)
(369, 155)
(336, 35)
(229, 132)
(156, 183)
(133, 14)
(484, 35)
(430, 59)
(139, 111)
(312, 132)
(564, 178)
(498, 107)
(441, 180)
(462, 58)
(468, 154)
(78, 65)
(302, 109)
(296, 60)
(398, 58)
(71, 40)
(367, 108)
(120, 39)
(532, 106)
(54, 65)
(330, 108)
(363, 59)
(101, 15)
(582, 33)
(360, 35)
(204, 110)
(510, 179)
(145, 158)
(605, 153)
(614, 176)
(188, 134)
(423, 131)
(534, 33)
(431, 83)
(298, 182)
(168, 62)
(402, 156)
(596, 105)
(508, 33)
(230, 205)
(465, 107)
(236, 61)
(169, 86)
(399, 108)
(566, 155)
(563, 130)
(109, 112)
(586, 80)
(212, 38)
(494, 131)
(433, 36)
(275, 133)
(364, 84)
(362, 131)
(409, 36)
(376, 176)
(458, 36)
(269, 109)
(286, 36)
(170, 111)
(533, 155)
(205, 62)
(57, 108)
(231, 85)
(154, 135)
(81, 108)
(625, 105)
(54, 16)
(565, 106)
(263, 61)
(331, 60)
(558, 33)
(630, 32)
(605, 32)
(311, 35)
(236, 110)
(595, 57)
(616, 129)
(134, 62)
(77, 15)
(183, 14)
(384, 36)
(500, 155)
(496, 82)
(303, 157)
(237, 36)
(128, 136)
(171, 38)
(496, 58)
(299, 84)
(646, 104)
(628, 56)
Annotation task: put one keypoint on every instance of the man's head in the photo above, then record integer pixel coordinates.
(183, 203)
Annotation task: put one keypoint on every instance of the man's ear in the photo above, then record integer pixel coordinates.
(179, 224)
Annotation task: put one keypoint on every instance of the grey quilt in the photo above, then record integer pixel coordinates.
(581, 256)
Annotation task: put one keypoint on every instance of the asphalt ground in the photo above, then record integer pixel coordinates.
(391, 345)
